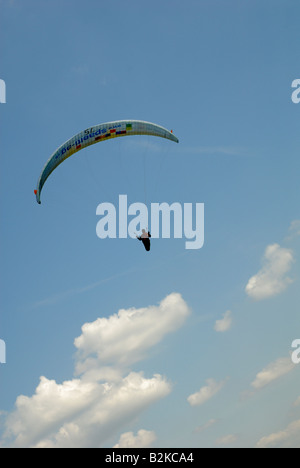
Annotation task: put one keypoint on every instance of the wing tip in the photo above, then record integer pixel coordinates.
(174, 138)
(37, 197)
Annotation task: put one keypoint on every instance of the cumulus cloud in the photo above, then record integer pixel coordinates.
(272, 372)
(206, 393)
(225, 323)
(123, 338)
(143, 439)
(272, 279)
(288, 438)
(90, 409)
(78, 413)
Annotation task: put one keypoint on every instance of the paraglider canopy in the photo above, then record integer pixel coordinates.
(97, 134)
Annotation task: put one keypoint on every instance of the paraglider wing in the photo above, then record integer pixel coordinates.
(97, 134)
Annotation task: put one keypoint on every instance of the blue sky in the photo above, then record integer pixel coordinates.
(219, 74)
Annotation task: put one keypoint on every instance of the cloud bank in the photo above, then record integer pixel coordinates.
(88, 410)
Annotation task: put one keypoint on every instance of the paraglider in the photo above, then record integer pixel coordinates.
(145, 238)
(97, 134)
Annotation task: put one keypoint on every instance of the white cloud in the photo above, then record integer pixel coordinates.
(272, 372)
(297, 402)
(288, 438)
(81, 414)
(124, 338)
(225, 323)
(272, 279)
(227, 440)
(86, 411)
(207, 425)
(143, 439)
(294, 229)
(206, 393)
